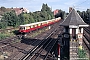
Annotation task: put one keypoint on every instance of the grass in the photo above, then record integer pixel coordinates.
(9, 33)
(37, 33)
(4, 35)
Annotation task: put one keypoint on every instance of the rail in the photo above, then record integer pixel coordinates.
(36, 47)
(50, 40)
(33, 49)
(51, 47)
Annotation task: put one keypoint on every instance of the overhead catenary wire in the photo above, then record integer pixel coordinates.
(82, 2)
(78, 5)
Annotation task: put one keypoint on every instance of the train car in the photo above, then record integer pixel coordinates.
(34, 26)
(31, 27)
(57, 19)
(28, 27)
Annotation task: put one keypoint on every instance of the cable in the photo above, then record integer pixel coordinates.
(80, 4)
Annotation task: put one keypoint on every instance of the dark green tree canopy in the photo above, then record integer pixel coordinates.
(61, 14)
(85, 15)
(10, 18)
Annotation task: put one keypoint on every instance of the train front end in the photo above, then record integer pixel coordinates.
(22, 29)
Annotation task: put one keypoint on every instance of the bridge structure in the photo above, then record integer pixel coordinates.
(72, 37)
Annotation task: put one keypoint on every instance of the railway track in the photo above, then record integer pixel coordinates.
(21, 49)
(10, 29)
(41, 52)
(40, 43)
(45, 45)
(32, 55)
(7, 41)
(7, 45)
(86, 40)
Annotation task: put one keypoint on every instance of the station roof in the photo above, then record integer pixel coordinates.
(73, 20)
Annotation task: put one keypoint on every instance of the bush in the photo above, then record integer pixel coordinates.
(3, 25)
(81, 53)
(3, 36)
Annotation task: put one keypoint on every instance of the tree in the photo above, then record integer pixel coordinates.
(26, 18)
(21, 19)
(46, 12)
(85, 15)
(11, 19)
(61, 14)
(88, 15)
(31, 19)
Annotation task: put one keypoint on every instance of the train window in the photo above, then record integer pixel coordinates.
(35, 25)
(39, 24)
(32, 26)
(27, 27)
(22, 28)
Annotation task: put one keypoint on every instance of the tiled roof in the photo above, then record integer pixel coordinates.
(19, 10)
(73, 19)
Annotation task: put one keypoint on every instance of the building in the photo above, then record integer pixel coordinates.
(56, 11)
(73, 25)
(20, 10)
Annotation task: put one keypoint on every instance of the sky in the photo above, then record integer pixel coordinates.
(36, 5)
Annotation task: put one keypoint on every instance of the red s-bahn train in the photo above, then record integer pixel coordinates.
(33, 26)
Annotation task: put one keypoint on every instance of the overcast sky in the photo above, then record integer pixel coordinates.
(35, 5)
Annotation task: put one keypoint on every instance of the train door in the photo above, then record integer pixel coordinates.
(31, 27)
(39, 25)
(74, 33)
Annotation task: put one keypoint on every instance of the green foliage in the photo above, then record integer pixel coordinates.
(3, 36)
(81, 53)
(44, 14)
(25, 18)
(85, 15)
(11, 19)
(3, 25)
(21, 19)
